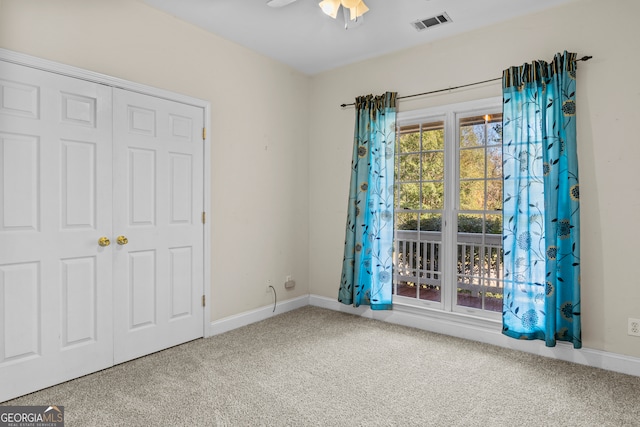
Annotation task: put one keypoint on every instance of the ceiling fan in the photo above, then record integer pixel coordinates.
(356, 8)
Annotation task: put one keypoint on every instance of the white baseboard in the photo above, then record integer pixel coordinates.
(485, 331)
(232, 322)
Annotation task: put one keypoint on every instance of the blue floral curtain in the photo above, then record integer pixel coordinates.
(541, 238)
(367, 268)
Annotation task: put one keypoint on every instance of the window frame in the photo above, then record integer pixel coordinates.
(451, 114)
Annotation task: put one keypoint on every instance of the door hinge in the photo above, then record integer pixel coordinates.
(204, 133)
(203, 300)
(204, 217)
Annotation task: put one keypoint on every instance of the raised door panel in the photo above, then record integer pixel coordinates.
(79, 308)
(19, 182)
(180, 188)
(180, 282)
(20, 323)
(142, 290)
(78, 197)
(142, 187)
(19, 99)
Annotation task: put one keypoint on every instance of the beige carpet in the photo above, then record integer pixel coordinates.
(316, 367)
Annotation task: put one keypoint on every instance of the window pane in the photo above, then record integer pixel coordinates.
(472, 195)
(472, 132)
(406, 287)
(409, 140)
(430, 280)
(493, 224)
(472, 163)
(494, 162)
(406, 256)
(406, 221)
(433, 136)
(494, 195)
(481, 130)
(409, 167)
(479, 261)
(417, 256)
(470, 223)
(469, 247)
(409, 196)
(432, 195)
(433, 166)
(492, 279)
(430, 275)
(494, 133)
(431, 222)
(493, 297)
(469, 260)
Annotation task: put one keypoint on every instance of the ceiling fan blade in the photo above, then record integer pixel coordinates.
(279, 3)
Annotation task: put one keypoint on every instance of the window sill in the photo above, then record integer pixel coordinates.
(455, 319)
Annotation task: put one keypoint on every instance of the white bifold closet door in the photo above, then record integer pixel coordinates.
(80, 161)
(55, 203)
(158, 198)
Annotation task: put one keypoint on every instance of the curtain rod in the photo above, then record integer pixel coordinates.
(584, 58)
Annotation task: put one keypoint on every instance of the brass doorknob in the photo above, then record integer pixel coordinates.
(103, 241)
(122, 240)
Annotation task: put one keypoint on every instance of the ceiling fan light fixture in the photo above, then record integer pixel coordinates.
(358, 10)
(350, 4)
(355, 8)
(330, 7)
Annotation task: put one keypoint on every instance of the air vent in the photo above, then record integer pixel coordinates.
(423, 24)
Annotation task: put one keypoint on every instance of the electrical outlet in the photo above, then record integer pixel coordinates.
(268, 287)
(634, 327)
(289, 283)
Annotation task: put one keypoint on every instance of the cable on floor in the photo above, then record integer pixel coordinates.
(275, 298)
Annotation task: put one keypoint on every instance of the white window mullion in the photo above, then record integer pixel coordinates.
(449, 245)
(419, 256)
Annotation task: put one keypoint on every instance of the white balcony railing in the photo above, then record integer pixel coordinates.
(479, 260)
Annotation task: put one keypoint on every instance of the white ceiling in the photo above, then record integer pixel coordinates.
(301, 36)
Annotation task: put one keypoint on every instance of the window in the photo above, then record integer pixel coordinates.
(448, 204)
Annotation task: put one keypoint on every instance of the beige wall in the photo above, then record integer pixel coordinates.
(281, 146)
(608, 102)
(259, 129)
